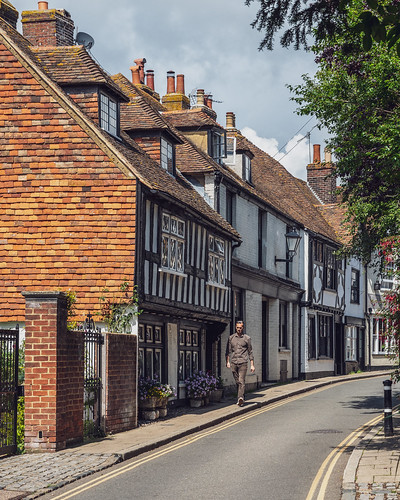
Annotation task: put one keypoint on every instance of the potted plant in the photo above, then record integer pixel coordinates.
(217, 391)
(198, 388)
(153, 397)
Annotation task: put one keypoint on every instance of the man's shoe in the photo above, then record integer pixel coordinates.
(240, 401)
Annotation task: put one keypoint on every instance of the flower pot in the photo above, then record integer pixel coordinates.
(152, 403)
(216, 395)
(196, 402)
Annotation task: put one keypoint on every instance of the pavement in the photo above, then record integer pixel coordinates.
(372, 471)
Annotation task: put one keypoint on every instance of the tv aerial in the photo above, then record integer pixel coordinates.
(84, 39)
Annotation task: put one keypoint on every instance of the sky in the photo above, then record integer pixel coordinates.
(212, 43)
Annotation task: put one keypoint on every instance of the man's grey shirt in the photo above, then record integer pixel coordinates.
(239, 349)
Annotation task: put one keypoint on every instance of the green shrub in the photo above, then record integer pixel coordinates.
(21, 425)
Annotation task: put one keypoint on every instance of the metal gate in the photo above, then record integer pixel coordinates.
(9, 345)
(93, 341)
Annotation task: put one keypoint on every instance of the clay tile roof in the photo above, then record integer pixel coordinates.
(189, 118)
(134, 91)
(286, 192)
(335, 214)
(73, 66)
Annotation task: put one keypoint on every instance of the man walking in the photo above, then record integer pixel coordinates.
(238, 352)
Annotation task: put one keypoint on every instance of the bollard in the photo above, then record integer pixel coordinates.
(388, 421)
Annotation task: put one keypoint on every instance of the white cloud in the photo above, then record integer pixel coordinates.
(294, 156)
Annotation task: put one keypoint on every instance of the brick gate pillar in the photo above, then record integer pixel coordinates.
(53, 374)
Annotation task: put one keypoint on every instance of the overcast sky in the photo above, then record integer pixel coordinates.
(212, 43)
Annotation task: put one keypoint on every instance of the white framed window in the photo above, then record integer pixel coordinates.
(108, 114)
(355, 286)
(167, 156)
(246, 163)
(351, 343)
(216, 145)
(230, 150)
(388, 276)
(216, 260)
(381, 342)
(173, 243)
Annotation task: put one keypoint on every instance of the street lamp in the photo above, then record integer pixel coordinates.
(292, 244)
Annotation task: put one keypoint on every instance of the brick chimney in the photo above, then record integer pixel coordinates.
(9, 13)
(175, 98)
(230, 120)
(319, 176)
(48, 27)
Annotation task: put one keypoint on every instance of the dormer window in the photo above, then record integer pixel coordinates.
(246, 164)
(109, 114)
(167, 156)
(217, 145)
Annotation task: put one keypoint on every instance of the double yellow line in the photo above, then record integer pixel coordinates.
(325, 471)
(321, 477)
(189, 440)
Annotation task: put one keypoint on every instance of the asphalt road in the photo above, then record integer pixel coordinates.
(273, 453)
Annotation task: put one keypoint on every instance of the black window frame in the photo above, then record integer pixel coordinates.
(105, 124)
(217, 150)
(230, 207)
(325, 336)
(283, 325)
(355, 286)
(149, 344)
(169, 164)
(330, 269)
(246, 173)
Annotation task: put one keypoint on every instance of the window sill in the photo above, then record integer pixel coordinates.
(216, 285)
(284, 349)
(171, 271)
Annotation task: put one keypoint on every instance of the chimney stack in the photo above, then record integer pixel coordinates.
(140, 65)
(48, 28)
(135, 75)
(200, 98)
(320, 178)
(208, 100)
(230, 120)
(150, 79)
(175, 100)
(9, 13)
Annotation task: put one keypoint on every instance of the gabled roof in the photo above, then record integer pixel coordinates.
(286, 192)
(192, 118)
(335, 215)
(133, 91)
(126, 155)
(73, 66)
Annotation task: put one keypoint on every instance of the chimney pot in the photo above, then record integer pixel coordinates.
(135, 75)
(43, 5)
(150, 79)
(317, 153)
(209, 101)
(230, 120)
(200, 97)
(170, 82)
(328, 155)
(140, 64)
(180, 84)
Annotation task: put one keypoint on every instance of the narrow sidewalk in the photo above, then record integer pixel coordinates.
(32, 475)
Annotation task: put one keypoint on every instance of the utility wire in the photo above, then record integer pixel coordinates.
(300, 129)
(298, 142)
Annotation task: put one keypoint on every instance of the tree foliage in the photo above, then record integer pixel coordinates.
(356, 96)
(377, 20)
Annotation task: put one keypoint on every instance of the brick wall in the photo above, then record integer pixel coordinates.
(120, 407)
(319, 180)
(67, 213)
(53, 375)
(48, 28)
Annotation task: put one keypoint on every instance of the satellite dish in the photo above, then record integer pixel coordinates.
(85, 40)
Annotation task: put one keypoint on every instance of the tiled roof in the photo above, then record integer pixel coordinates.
(196, 117)
(335, 214)
(73, 66)
(133, 91)
(285, 191)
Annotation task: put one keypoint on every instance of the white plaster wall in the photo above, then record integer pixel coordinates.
(355, 310)
(253, 323)
(247, 226)
(273, 361)
(209, 190)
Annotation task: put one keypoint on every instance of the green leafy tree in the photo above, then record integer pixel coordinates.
(356, 97)
(318, 20)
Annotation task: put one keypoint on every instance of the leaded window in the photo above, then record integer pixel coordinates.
(108, 114)
(216, 260)
(151, 351)
(216, 145)
(173, 243)
(167, 156)
(330, 269)
(189, 353)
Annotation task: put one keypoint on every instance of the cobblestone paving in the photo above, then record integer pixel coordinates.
(36, 474)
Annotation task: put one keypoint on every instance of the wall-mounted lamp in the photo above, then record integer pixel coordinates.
(377, 285)
(292, 244)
